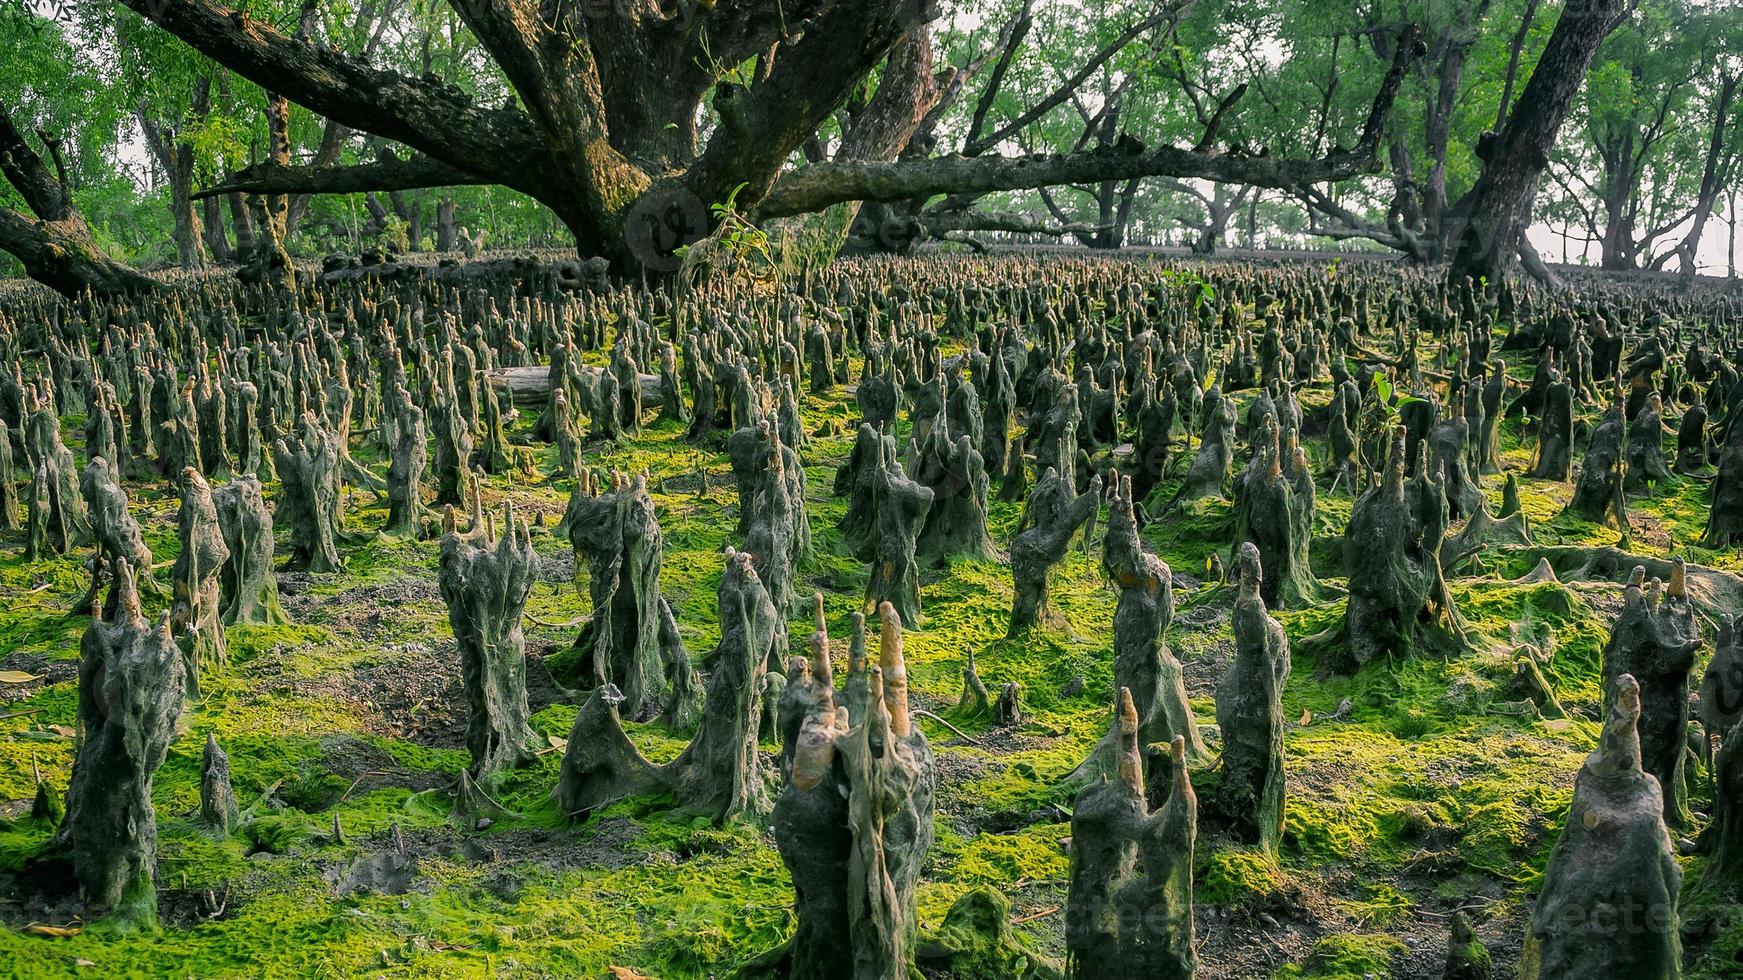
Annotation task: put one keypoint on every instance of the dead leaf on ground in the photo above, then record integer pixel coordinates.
(69, 930)
(16, 677)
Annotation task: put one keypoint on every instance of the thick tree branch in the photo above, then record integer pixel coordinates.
(424, 113)
(1351, 225)
(816, 187)
(1214, 127)
(387, 174)
(1012, 39)
(25, 171)
(762, 125)
(1372, 233)
(62, 255)
(1015, 222)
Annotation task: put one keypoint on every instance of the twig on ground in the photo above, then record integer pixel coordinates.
(970, 739)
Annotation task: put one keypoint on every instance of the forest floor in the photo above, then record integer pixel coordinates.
(1412, 791)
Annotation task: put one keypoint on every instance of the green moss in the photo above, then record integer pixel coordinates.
(1237, 876)
(247, 641)
(1381, 906)
(1035, 853)
(1346, 956)
(975, 942)
(1416, 787)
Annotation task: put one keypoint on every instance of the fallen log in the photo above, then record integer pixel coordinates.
(531, 386)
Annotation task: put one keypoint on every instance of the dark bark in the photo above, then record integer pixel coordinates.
(1514, 159)
(56, 248)
(216, 238)
(816, 187)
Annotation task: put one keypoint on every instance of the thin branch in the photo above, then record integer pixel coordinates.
(816, 187)
(1065, 89)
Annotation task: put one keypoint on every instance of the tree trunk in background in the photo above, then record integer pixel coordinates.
(1715, 173)
(190, 247)
(1218, 211)
(269, 261)
(1123, 216)
(1439, 126)
(378, 215)
(332, 141)
(175, 158)
(243, 224)
(1514, 159)
(1731, 246)
(447, 233)
(411, 212)
(880, 131)
(217, 241)
(1620, 182)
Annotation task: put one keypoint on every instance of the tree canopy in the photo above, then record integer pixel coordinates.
(622, 128)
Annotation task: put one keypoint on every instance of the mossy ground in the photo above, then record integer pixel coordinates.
(1414, 798)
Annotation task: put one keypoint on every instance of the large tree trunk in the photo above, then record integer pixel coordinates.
(242, 222)
(1514, 159)
(410, 212)
(57, 248)
(600, 83)
(1621, 185)
(447, 232)
(175, 157)
(1714, 175)
(268, 261)
(1439, 124)
(217, 241)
